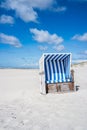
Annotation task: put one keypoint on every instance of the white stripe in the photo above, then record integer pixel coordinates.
(63, 74)
(51, 64)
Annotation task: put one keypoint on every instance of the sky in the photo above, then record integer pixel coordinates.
(29, 28)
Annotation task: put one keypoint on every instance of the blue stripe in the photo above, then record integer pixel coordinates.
(60, 72)
(57, 68)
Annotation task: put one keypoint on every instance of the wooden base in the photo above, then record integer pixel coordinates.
(59, 87)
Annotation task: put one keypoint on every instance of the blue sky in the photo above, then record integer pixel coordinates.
(29, 28)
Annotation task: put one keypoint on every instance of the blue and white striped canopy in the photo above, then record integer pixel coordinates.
(57, 67)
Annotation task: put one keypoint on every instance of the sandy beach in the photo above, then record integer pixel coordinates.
(22, 107)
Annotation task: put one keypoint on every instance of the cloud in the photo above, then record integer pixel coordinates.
(31, 64)
(77, 0)
(59, 47)
(11, 40)
(60, 9)
(81, 56)
(85, 52)
(45, 37)
(5, 19)
(43, 48)
(25, 9)
(79, 61)
(80, 37)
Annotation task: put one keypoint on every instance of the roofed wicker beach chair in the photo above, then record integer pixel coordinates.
(55, 73)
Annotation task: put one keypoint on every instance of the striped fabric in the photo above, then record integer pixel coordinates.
(57, 68)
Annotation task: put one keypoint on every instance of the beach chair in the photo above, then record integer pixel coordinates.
(55, 72)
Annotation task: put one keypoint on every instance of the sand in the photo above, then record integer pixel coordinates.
(22, 107)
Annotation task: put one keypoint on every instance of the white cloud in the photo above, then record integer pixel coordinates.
(78, 0)
(45, 37)
(6, 19)
(60, 9)
(25, 9)
(42, 48)
(31, 64)
(85, 52)
(80, 37)
(78, 61)
(11, 40)
(81, 56)
(59, 47)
